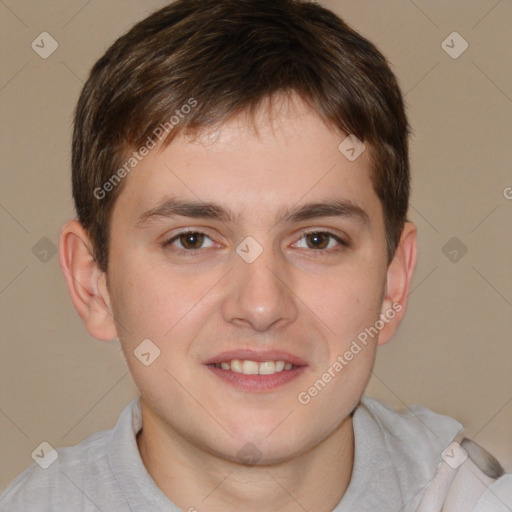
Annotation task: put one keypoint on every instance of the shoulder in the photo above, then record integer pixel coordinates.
(430, 456)
(397, 453)
(75, 477)
(40, 485)
(466, 481)
(414, 427)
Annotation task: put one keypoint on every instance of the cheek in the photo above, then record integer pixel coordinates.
(142, 311)
(151, 301)
(350, 305)
(347, 301)
(151, 305)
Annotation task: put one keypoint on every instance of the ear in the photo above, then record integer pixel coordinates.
(86, 283)
(398, 283)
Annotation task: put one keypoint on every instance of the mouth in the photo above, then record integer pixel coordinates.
(248, 367)
(256, 371)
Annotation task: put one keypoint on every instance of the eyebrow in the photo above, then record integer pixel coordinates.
(173, 207)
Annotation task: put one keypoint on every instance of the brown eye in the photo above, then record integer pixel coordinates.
(317, 240)
(188, 242)
(324, 242)
(191, 240)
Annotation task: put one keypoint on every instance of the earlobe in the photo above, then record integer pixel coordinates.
(86, 282)
(398, 282)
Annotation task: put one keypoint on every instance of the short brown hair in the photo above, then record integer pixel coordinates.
(229, 56)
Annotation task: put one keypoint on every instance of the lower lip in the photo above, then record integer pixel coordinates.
(257, 383)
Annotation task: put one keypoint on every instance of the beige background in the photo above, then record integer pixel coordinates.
(454, 351)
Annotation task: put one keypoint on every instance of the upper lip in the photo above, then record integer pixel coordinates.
(258, 356)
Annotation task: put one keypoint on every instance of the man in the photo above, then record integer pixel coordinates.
(241, 179)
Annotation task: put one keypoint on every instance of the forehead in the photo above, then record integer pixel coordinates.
(282, 157)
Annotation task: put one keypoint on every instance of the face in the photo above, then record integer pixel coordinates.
(279, 261)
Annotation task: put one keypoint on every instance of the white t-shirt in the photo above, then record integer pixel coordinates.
(398, 466)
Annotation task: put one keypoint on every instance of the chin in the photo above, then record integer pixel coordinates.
(273, 447)
(258, 453)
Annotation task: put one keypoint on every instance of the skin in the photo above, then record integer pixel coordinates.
(307, 301)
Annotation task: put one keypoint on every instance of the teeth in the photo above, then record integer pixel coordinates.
(267, 368)
(248, 367)
(236, 366)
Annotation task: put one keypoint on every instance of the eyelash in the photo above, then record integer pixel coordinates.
(317, 252)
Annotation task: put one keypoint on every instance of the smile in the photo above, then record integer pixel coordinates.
(248, 367)
(256, 371)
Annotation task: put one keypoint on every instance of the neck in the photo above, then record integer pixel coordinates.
(195, 479)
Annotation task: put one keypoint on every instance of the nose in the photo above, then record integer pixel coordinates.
(260, 295)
